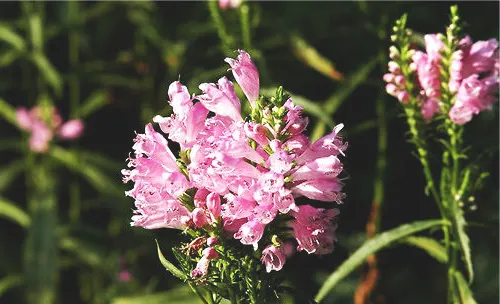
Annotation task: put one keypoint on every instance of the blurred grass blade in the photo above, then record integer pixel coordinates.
(179, 295)
(8, 58)
(375, 244)
(48, 71)
(169, 266)
(311, 57)
(11, 37)
(41, 250)
(94, 176)
(463, 289)
(333, 103)
(11, 211)
(9, 173)
(14, 144)
(94, 102)
(84, 251)
(99, 160)
(8, 112)
(36, 31)
(431, 246)
(9, 282)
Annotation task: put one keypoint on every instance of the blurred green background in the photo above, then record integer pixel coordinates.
(110, 63)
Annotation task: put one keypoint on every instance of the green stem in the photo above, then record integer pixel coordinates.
(197, 292)
(226, 40)
(245, 26)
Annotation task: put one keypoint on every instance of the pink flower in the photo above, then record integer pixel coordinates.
(330, 144)
(71, 129)
(220, 99)
(314, 229)
(250, 233)
(474, 96)
(246, 74)
(273, 258)
(224, 4)
(43, 127)
(201, 269)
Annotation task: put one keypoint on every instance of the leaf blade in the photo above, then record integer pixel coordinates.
(378, 242)
(431, 246)
(169, 266)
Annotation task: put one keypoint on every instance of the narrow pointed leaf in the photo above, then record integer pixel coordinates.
(94, 102)
(431, 246)
(8, 57)
(9, 282)
(14, 213)
(9, 173)
(375, 244)
(311, 57)
(169, 266)
(8, 112)
(459, 224)
(463, 289)
(48, 71)
(8, 35)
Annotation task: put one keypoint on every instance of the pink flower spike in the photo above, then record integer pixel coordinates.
(71, 129)
(246, 74)
(24, 119)
(273, 258)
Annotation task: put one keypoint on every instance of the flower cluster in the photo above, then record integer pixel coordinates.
(44, 124)
(235, 178)
(473, 77)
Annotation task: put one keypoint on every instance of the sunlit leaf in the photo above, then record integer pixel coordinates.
(169, 266)
(431, 246)
(311, 57)
(36, 31)
(13, 212)
(463, 289)
(373, 245)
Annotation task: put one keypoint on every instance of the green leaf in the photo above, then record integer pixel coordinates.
(49, 72)
(9, 282)
(431, 246)
(169, 266)
(11, 37)
(94, 176)
(463, 289)
(94, 102)
(311, 57)
(11, 211)
(373, 245)
(179, 295)
(9, 173)
(36, 31)
(83, 250)
(8, 57)
(8, 112)
(459, 223)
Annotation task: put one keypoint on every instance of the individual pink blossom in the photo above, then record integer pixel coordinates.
(71, 129)
(273, 258)
(220, 99)
(211, 241)
(246, 74)
(314, 229)
(250, 233)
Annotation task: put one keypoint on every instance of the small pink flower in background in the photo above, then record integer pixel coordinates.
(224, 4)
(43, 129)
(246, 74)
